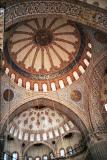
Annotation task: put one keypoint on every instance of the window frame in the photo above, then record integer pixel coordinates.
(52, 155)
(37, 157)
(69, 151)
(29, 157)
(7, 153)
(60, 152)
(44, 156)
(17, 155)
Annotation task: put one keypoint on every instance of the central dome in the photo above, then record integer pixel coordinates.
(44, 46)
(48, 48)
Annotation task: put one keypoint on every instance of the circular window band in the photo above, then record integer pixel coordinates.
(53, 81)
(47, 76)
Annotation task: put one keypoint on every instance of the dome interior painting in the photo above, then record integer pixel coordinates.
(46, 51)
(40, 124)
(38, 40)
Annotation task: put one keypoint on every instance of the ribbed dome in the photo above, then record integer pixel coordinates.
(47, 51)
(44, 45)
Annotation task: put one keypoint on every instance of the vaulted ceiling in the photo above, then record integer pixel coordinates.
(49, 46)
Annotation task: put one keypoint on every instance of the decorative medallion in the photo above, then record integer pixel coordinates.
(8, 95)
(76, 95)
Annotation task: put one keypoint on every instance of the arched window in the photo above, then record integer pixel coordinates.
(53, 87)
(50, 135)
(76, 148)
(61, 129)
(66, 127)
(37, 158)
(15, 132)
(38, 138)
(62, 152)
(20, 136)
(105, 106)
(14, 156)
(29, 158)
(7, 71)
(20, 82)
(89, 45)
(44, 136)
(82, 70)
(12, 129)
(26, 136)
(89, 54)
(75, 74)
(45, 157)
(28, 85)
(56, 132)
(86, 62)
(44, 87)
(12, 76)
(70, 124)
(69, 80)
(6, 156)
(69, 151)
(25, 158)
(32, 137)
(61, 84)
(51, 155)
(36, 88)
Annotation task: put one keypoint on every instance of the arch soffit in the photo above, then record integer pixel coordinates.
(94, 17)
(98, 59)
(95, 63)
(49, 103)
(31, 144)
(74, 132)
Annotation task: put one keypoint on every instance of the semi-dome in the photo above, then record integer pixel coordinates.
(36, 124)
